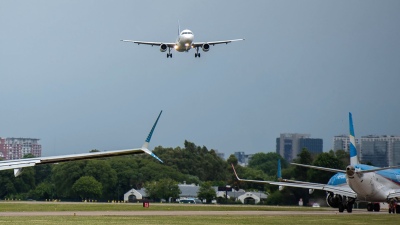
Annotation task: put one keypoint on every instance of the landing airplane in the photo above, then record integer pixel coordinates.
(183, 43)
(18, 164)
(359, 182)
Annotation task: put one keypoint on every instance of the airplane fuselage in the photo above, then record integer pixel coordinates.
(184, 41)
(374, 186)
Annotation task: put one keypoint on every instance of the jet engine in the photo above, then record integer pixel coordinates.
(333, 200)
(163, 47)
(205, 47)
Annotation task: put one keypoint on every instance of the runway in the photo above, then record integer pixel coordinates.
(181, 213)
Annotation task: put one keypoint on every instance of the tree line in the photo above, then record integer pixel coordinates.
(109, 178)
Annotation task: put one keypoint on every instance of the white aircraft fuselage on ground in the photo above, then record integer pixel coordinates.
(183, 43)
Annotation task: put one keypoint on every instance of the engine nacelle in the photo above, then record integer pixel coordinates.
(205, 47)
(333, 200)
(163, 47)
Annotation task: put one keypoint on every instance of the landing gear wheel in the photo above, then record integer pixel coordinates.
(198, 54)
(377, 207)
(195, 55)
(370, 207)
(398, 209)
(349, 207)
(341, 207)
(169, 55)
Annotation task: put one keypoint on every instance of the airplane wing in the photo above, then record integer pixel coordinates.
(171, 45)
(18, 164)
(199, 44)
(341, 190)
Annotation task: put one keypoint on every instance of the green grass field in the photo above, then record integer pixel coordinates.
(61, 206)
(209, 220)
(334, 218)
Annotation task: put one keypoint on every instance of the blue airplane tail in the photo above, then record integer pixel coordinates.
(352, 145)
(279, 173)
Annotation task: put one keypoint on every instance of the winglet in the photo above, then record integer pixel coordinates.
(237, 177)
(279, 173)
(352, 145)
(146, 143)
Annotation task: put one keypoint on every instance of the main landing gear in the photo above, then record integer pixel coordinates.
(376, 207)
(346, 203)
(393, 207)
(197, 54)
(169, 54)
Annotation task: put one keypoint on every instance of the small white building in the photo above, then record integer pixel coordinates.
(134, 195)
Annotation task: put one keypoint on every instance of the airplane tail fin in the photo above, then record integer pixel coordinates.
(146, 143)
(279, 173)
(179, 28)
(352, 145)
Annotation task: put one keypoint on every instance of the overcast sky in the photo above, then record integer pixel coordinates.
(66, 78)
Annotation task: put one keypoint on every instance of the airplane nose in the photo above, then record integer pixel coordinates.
(350, 171)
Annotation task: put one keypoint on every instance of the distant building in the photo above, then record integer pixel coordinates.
(242, 158)
(342, 142)
(190, 191)
(381, 150)
(16, 148)
(289, 145)
(220, 154)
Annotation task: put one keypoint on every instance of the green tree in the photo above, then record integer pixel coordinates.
(232, 160)
(87, 187)
(267, 162)
(103, 173)
(343, 156)
(64, 175)
(44, 190)
(195, 161)
(206, 192)
(163, 189)
(326, 159)
(300, 173)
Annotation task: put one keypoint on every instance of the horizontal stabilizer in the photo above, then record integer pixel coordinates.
(378, 169)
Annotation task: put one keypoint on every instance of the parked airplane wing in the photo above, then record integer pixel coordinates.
(342, 190)
(18, 164)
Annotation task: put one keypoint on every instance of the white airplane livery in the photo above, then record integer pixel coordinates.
(18, 164)
(183, 43)
(359, 182)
